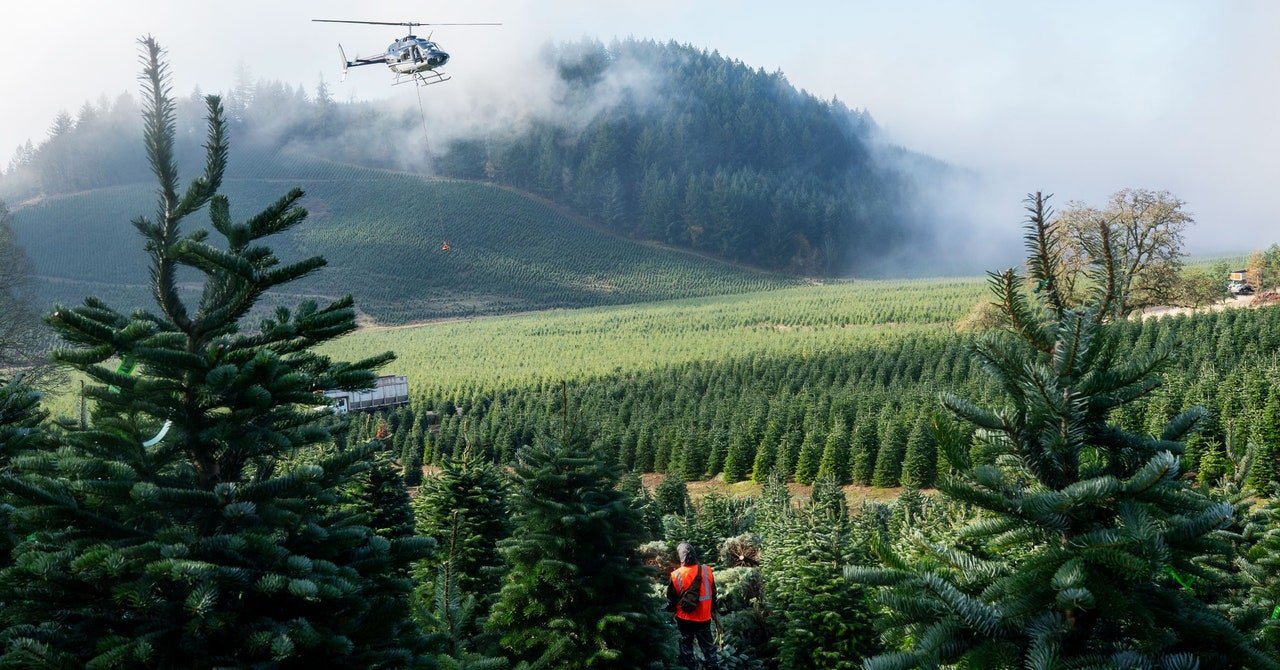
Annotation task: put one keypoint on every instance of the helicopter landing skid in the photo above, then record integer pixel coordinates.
(422, 78)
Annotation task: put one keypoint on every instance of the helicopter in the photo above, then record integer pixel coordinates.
(410, 57)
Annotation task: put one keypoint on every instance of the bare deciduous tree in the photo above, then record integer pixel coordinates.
(1131, 250)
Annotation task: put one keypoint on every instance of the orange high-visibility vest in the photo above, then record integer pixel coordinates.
(684, 576)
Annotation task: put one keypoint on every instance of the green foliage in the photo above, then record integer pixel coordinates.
(809, 457)
(823, 620)
(20, 417)
(451, 623)
(1082, 526)
(672, 496)
(1259, 569)
(464, 508)
(413, 466)
(740, 457)
(708, 525)
(450, 615)
(577, 594)
(920, 467)
(379, 493)
(650, 373)
(1266, 464)
(223, 541)
(744, 618)
(865, 451)
(644, 502)
(835, 462)
(892, 450)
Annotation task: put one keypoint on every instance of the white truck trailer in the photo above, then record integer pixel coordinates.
(390, 391)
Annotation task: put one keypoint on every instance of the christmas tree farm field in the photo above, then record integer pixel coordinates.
(408, 248)
(565, 345)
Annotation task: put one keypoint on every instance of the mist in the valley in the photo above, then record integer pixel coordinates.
(1080, 101)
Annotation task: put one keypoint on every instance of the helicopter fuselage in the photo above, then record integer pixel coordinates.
(409, 55)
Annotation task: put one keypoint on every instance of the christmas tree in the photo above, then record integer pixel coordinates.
(465, 507)
(1088, 540)
(198, 521)
(578, 594)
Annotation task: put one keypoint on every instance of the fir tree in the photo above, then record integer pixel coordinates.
(921, 461)
(20, 417)
(644, 450)
(835, 454)
(891, 452)
(774, 509)
(809, 458)
(380, 495)
(577, 594)
(413, 468)
(465, 506)
(789, 452)
(453, 619)
(1259, 565)
(738, 459)
(197, 522)
(672, 496)
(766, 459)
(1213, 463)
(1266, 466)
(1087, 529)
(633, 485)
(865, 449)
(694, 455)
(826, 620)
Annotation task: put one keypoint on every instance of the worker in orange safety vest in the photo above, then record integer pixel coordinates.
(692, 596)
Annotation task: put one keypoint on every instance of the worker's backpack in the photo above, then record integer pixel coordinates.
(690, 596)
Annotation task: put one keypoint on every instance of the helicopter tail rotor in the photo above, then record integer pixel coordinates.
(345, 63)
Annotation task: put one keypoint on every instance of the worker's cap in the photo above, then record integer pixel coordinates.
(686, 553)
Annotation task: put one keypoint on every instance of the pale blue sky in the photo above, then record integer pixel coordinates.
(1079, 98)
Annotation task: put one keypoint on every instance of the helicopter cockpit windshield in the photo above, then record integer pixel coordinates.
(413, 49)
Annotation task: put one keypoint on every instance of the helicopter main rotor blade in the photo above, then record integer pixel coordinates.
(369, 23)
(409, 24)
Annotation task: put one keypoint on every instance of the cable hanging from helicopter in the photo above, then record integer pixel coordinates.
(411, 58)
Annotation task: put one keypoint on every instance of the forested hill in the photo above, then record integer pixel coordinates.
(656, 141)
(700, 151)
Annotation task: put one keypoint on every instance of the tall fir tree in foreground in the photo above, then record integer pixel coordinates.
(199, 520)
(464, 508)
(451, 615)
(823, 621)
(577, 594)
(1086, 530)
